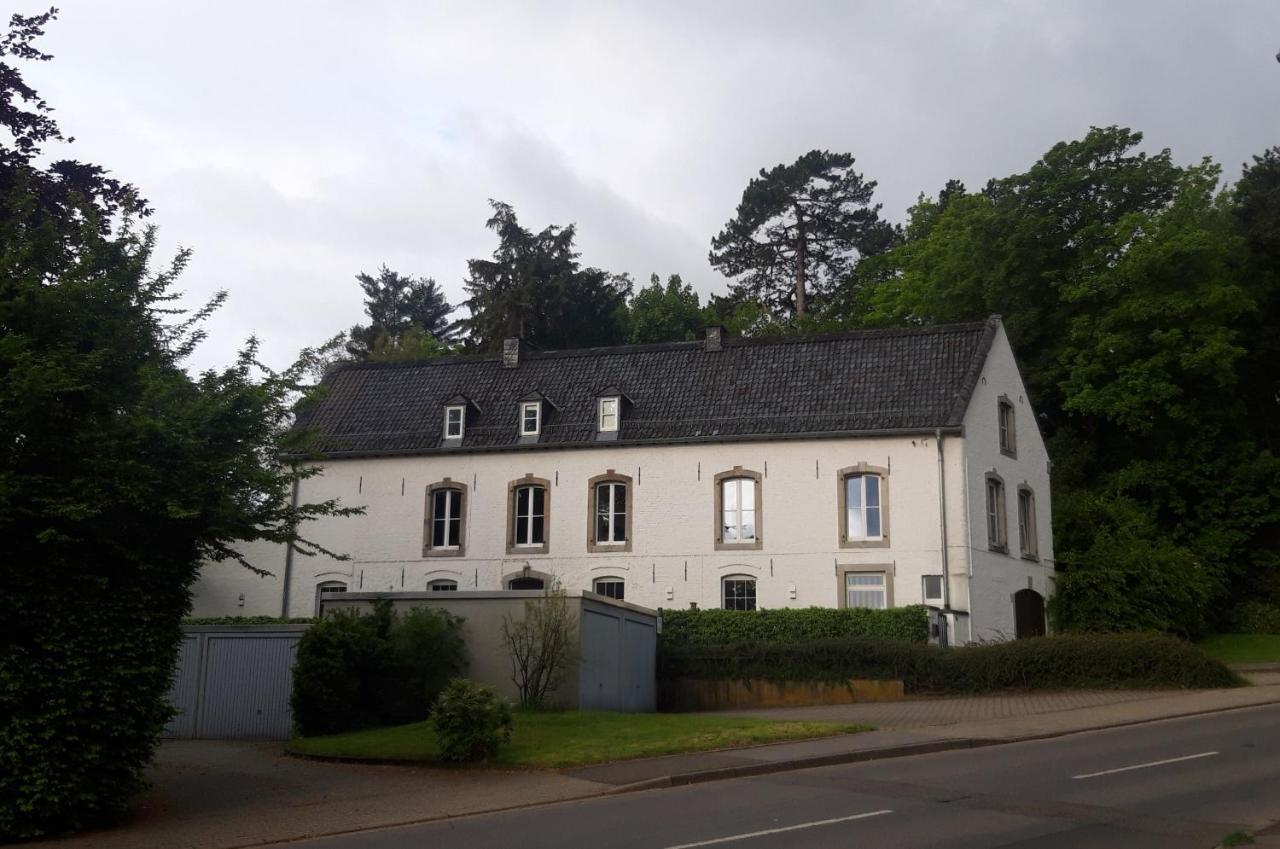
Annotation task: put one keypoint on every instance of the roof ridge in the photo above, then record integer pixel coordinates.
(648, 347)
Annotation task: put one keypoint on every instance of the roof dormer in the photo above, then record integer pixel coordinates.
(457, 410)
(532, 412)
(610, 403)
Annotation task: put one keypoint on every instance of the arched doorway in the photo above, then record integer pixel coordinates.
(526, 584)
(1028, 614)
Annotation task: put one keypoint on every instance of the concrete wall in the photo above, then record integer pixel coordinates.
(614, 674)
(997, 576)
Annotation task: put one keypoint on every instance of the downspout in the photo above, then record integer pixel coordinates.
(288, 559)
(942, 516)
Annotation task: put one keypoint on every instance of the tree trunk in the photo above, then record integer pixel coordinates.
(801, 243)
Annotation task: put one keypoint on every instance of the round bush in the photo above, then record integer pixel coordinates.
(471, 721)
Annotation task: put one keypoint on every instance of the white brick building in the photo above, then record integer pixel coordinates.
(823, 470)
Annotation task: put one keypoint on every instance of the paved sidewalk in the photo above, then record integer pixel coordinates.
(924, 725)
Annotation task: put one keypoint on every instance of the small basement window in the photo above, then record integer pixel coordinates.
(611, 587)
(933, 589)
(328, 589)
(531, 418)
(739, 593)
(443, 586)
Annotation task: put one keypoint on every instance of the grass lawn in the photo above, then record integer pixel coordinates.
(1243, 648)
(575, 738)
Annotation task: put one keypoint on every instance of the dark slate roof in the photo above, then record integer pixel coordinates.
(877, 381)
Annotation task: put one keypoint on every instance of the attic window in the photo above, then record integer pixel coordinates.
(607, 418)
(530, 418)
(453, 421)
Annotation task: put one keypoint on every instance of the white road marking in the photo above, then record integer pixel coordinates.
(814, 824)
(1144, 766)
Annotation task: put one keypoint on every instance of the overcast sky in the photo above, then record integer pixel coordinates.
(293, 144)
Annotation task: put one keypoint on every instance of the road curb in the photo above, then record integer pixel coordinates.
(888, 752)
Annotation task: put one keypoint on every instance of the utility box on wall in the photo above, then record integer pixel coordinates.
(617, 641)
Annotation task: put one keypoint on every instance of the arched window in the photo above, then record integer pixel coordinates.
(526, 584)
(609, 512)
(328, 589)
(738, 592)
(997, 533)
(442, 585)
(738, 510)
(610, 586)
(1028, 543)
(1005, 423)
(863, 498)
(446, 527)
(528, 506)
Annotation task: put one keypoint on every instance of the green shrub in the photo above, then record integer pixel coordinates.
(1043, 663)
(1255, 617)
(790, 624)
(360, 670)
(471, 721)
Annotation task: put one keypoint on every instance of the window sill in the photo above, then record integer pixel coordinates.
(444, 552)
(1032, 558)
(609, 547)
(998, 549)
(528, 549)
(882, 542)
(753, 545)
(1013, 455)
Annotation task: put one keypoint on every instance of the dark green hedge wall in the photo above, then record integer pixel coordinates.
(710, 627)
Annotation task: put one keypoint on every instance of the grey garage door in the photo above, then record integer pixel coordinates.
(233, 683)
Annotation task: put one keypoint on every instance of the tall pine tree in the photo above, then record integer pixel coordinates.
(800, 227)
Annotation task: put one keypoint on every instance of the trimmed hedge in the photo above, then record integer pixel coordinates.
(249, 620)
(1255, 617)
(1072, 661)
(792, 624)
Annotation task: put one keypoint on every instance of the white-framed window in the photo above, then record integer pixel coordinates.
(1027, 522)
(530, 515)
(530, 418)
(442, 585)
(932, 589)
(446, 519)
(328, 589)
(611, 587)
(607, 415)
(738, 510)
(865, 589)
(862, 507)
(997, 533)
(738, 592)
(1008, 436)
(454, 418)
(611, 513)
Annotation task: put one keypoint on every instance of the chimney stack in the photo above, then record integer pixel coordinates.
(714, 337)
(511, 349)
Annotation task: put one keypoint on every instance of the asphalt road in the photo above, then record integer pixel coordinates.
(1183, 782)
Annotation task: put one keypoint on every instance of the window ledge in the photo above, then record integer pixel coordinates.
(609, 547)
(443, 552)
(528, 549)
(1008, 453)
(754, 545)
(1033, 558)
(998, 549)
(882, 542)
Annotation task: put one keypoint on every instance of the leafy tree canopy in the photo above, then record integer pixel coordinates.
(119, 473)
(800, 226)
(398, 305)
(534, 288)
(1125, 284)
(669, 313)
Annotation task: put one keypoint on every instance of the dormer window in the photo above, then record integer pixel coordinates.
(454, 418)
(607, 415)
(530, 418)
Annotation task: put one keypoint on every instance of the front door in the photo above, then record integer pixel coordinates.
(1028, 614)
